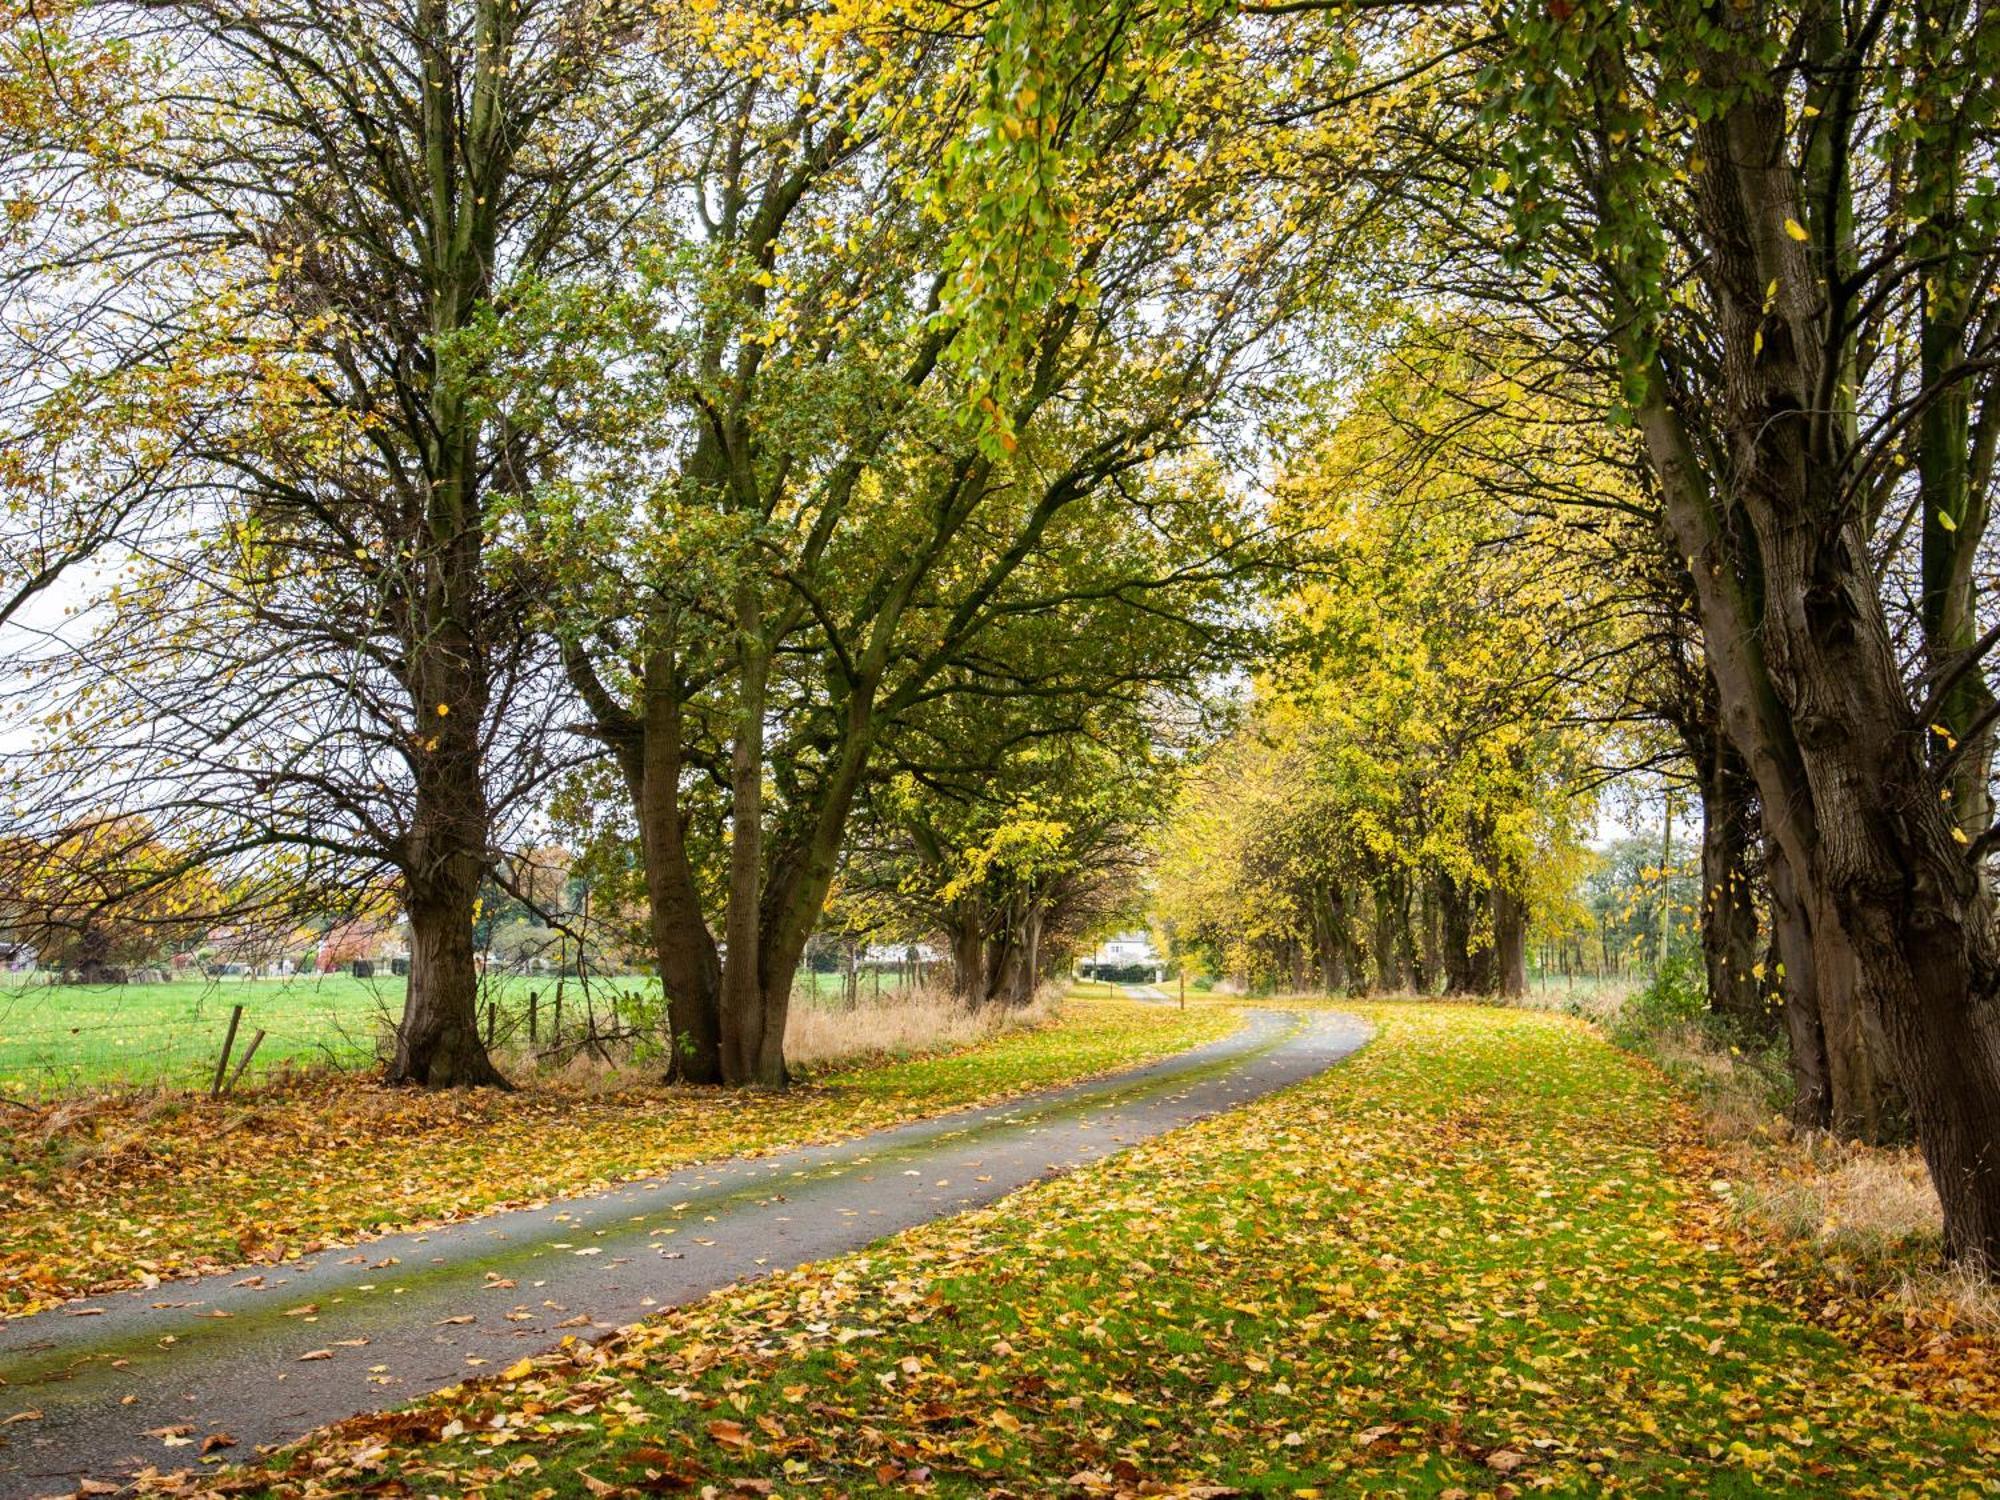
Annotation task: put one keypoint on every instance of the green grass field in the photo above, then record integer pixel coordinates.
(54, 1037)
(57, 1037)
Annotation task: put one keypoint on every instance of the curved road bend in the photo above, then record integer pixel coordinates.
(130, 1379)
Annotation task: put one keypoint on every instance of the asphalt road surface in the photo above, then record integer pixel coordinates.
(141, 1378)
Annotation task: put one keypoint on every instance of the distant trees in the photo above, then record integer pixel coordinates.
(1414, 774)
(104, 895)
(1032, 843)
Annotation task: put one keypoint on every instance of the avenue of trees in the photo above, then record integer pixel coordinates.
(843, 463)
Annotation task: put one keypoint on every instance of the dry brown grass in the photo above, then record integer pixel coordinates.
(1866, 1217)
(1598, 1000)
(819, 1036)
(1869, 1218)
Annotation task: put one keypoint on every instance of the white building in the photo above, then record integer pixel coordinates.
(1122, 954)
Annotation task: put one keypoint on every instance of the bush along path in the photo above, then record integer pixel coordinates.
(111, 1192)
(1464, 1263)
(232, 1360)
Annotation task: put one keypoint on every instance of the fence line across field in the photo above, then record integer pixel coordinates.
(55, 1036)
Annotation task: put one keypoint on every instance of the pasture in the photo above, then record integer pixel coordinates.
(55, 1037)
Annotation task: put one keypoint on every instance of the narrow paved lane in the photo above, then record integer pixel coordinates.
(147, 1377)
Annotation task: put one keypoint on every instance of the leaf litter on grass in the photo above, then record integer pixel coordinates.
(136, 1190)
(1466, 1262)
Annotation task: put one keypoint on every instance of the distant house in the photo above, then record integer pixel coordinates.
(890, 955)
(16, 958)
(1128, 957)
(374, 944)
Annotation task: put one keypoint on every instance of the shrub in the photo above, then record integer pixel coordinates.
(1676, 998)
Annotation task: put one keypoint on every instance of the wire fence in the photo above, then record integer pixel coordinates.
(57, 1038)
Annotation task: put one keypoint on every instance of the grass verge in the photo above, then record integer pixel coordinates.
(114, 1191)
(1856, 1230)
(1481, 1257)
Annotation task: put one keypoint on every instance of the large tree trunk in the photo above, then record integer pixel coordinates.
(1406, 938)
(443, 595)
(649, 749)
(445, 859)
(1885, 882)
(968, 955)
(438, 1043)
(1031, 971)
(1468, 957)
(1429, 965)
(1329, 917)
(1008, 981)
(683, 949)
(751, 1013)
(1454, 935)
(1386, 912)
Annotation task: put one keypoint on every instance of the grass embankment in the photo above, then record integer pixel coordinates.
(1482, 1257)
(111, 1191)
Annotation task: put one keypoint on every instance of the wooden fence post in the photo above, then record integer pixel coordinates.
(228, 1041)
(244, 1062)
(534, 1002)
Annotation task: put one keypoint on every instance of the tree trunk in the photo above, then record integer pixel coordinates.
(968, 956)
(1455, 937)
(1327, 918)
(750, 1054)
(1032, 920)
(1510, 943)
(1406, 939)
(799, 875)
(1728, 898)
(683, 949)
(438, 1043)
(445, 859)
(1382, 933)
(1430, 948)
(1887, 887)
(1790, 967)
(1006, 954)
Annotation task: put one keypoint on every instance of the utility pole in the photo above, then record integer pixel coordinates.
(1666, 868)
